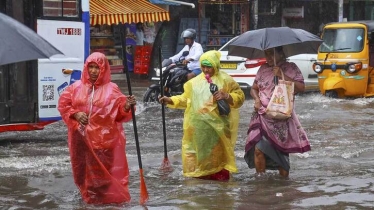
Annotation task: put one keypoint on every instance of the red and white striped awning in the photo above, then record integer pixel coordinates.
(125, 11)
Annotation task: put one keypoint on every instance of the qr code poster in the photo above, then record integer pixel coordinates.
(48, 92)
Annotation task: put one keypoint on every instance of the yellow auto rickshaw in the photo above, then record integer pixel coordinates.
(345, 60)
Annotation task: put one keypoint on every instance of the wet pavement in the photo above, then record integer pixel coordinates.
(137, 80)
(336, 174)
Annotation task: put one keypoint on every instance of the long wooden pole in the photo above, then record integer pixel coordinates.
(165, 166)
(143, 189)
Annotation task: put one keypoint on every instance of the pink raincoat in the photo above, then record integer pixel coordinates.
(288, 135)
(97, 150)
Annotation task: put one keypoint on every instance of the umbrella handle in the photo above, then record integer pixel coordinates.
(275, 79)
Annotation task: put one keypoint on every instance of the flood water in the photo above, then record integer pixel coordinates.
(35, 170)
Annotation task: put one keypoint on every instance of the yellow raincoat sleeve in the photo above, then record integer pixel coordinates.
(181, 101)
(236, 93)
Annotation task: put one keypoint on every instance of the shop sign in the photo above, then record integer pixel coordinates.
(295, 12)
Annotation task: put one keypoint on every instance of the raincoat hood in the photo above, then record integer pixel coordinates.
(103, 63)
(212, 57)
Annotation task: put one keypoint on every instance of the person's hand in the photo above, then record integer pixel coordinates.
(185, 62)
(81, 117)
(277, 71)
(220, 95)
(165, 100)
(131, 100)
(257, 105)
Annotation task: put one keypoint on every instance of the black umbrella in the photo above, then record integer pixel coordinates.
(20, 43)
(252, 44)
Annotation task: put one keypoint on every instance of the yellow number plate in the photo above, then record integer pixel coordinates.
(228, 65)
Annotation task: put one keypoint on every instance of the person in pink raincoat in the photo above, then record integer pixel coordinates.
(270, 141)
(94, 110)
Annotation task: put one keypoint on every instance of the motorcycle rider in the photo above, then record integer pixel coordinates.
(195, 51)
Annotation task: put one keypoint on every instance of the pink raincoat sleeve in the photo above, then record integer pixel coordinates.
(65, 105)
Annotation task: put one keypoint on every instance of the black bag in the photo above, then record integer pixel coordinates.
(223, 106)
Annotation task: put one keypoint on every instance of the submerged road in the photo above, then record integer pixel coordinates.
(35, 168)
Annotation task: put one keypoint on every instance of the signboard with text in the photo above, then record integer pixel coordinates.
(60, 71)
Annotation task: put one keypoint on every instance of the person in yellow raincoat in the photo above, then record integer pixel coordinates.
(208, 138)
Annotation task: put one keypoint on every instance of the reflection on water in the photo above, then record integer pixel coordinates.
(336, 174)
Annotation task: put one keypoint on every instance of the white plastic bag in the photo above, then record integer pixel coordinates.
(281, 103)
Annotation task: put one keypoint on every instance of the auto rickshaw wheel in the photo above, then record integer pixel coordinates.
(331, 94)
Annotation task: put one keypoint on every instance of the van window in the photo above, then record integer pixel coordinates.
(343, 40)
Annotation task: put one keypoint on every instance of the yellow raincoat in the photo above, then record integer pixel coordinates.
(209, 139)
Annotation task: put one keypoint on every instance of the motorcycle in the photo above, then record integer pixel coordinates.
(173, 75)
